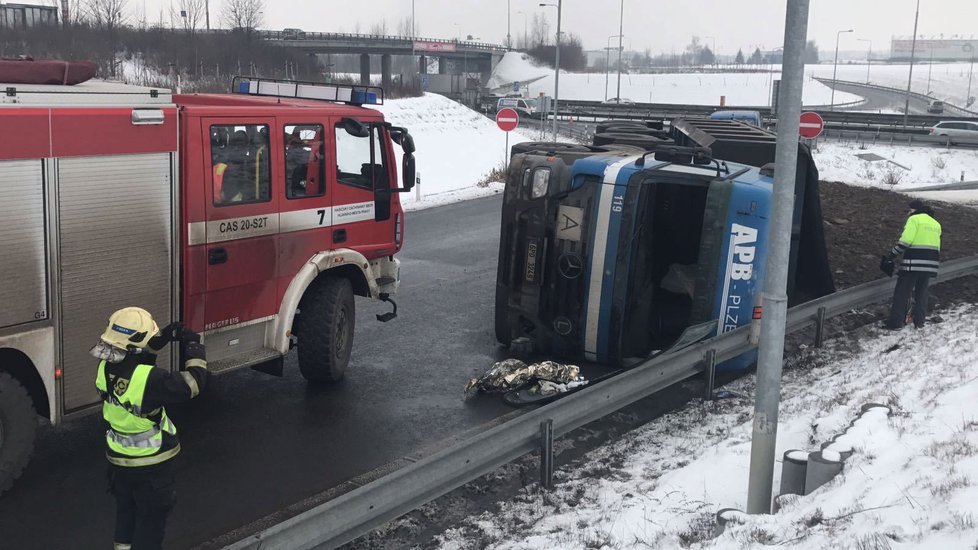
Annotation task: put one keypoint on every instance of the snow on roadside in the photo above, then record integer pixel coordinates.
(910, 484)
(456, 149)
(924, 166)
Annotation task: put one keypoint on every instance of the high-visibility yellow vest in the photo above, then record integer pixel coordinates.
(132, 434)
(920, 244)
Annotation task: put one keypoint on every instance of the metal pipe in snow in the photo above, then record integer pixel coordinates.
(775, 299)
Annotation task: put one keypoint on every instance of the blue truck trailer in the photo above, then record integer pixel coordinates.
(608, 256)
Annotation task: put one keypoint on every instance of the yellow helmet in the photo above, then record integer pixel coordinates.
(130, 327)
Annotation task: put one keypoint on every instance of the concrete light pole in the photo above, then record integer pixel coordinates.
(869, 56)
(835, 67)
(621, 37)
(509, 25)
(913, 51)
(526, 39)
(607, 65)
(559, 6)
(775, 300)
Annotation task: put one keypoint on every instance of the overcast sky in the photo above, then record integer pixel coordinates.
(662, 25)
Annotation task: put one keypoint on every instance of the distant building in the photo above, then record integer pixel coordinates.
(25, 16)
(940, 49)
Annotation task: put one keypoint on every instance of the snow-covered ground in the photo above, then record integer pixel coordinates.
(457, 149)
(915, 167)
(698, 89)
(912, 481)
(948, 81)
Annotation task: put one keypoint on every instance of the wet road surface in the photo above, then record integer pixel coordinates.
(253, 444)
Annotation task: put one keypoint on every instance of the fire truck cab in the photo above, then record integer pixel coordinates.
(252, 218)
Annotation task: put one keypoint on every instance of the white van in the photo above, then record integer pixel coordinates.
(523, 107)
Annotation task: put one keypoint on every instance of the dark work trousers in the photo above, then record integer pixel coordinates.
(144, 496)
(909, 283)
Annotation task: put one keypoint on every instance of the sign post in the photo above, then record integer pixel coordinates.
(507, 119)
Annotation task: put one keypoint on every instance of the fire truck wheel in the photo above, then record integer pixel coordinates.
(324, 328)
(18, 424)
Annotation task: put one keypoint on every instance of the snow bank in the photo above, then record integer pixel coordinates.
(912, 481)
(916, 166)
(696, 89)
(457, 148)
(516, 67)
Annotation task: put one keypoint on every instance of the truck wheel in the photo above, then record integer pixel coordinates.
(638, 140)
(18, 424)
(547, 147)
(325, 327)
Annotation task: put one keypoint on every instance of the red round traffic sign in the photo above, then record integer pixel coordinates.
(811, 125)
(507, 119)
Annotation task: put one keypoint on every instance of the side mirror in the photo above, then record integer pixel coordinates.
(355, 128)
(408, 172)
(407, 143)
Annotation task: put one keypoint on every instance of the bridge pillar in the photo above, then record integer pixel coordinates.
(385, 71)
(364, 69)
(423, 64)
(442, 65)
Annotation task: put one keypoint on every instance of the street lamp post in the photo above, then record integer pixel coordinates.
(607, 65)
(869, 56)
(509, 25)
(835, 67)
(526, 41)
(559, 6)
(621, 37)
(913, 51)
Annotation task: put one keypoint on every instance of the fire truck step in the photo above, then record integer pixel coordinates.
(244, 360)
(383, 281)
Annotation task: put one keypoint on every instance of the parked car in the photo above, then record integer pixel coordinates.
(935, 106)
(525, 108)
(293, 34)
(618, 101)
(955, 130)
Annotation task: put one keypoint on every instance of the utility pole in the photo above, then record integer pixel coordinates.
(869, 56)
(558, 5)
(774, 299)
(835, 67)
(621, 38)
(509, 24)
(207, 13)
(913, 51)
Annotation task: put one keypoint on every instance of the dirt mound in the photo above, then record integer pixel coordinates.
(863, 223)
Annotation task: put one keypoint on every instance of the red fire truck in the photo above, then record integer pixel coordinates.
(253, 218)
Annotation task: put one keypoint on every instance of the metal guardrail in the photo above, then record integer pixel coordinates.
(356, 513)
(958, 111)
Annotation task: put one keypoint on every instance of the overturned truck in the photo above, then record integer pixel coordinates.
(608, 253)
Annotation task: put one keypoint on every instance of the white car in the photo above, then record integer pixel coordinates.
(522, 106)
(618, 101)
(955, 130)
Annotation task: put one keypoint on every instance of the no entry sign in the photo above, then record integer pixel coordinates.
(811, 125)
(507, 119)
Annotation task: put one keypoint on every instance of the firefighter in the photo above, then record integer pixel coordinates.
(141, 440)
(920, 245)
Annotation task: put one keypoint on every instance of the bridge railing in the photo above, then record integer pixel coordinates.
(380, 39)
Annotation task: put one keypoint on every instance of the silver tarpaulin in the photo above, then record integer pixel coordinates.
(512, 374)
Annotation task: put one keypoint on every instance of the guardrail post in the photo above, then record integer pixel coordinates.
(547, 454)
(711, 363)
(819, 327)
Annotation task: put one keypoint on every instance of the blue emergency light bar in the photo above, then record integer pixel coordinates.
(339, 93)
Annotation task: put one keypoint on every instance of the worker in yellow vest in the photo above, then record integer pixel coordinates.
(141, 440)
(920, 245)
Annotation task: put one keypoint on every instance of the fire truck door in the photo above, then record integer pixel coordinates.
(241, 199)
(305, 217)
(362, 200)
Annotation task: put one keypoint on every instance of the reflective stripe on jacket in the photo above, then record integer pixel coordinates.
(135, 436)
(920, 244)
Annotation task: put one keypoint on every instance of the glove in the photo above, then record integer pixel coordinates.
(170, 333)
(887, 266)
(187, 335)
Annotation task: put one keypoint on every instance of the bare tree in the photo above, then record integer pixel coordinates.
(106, 14)
(540, 31)
(379, 29)
(191, 14)
(244, 14)
(404, 27)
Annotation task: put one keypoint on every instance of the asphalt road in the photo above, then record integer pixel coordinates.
(254, 444)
